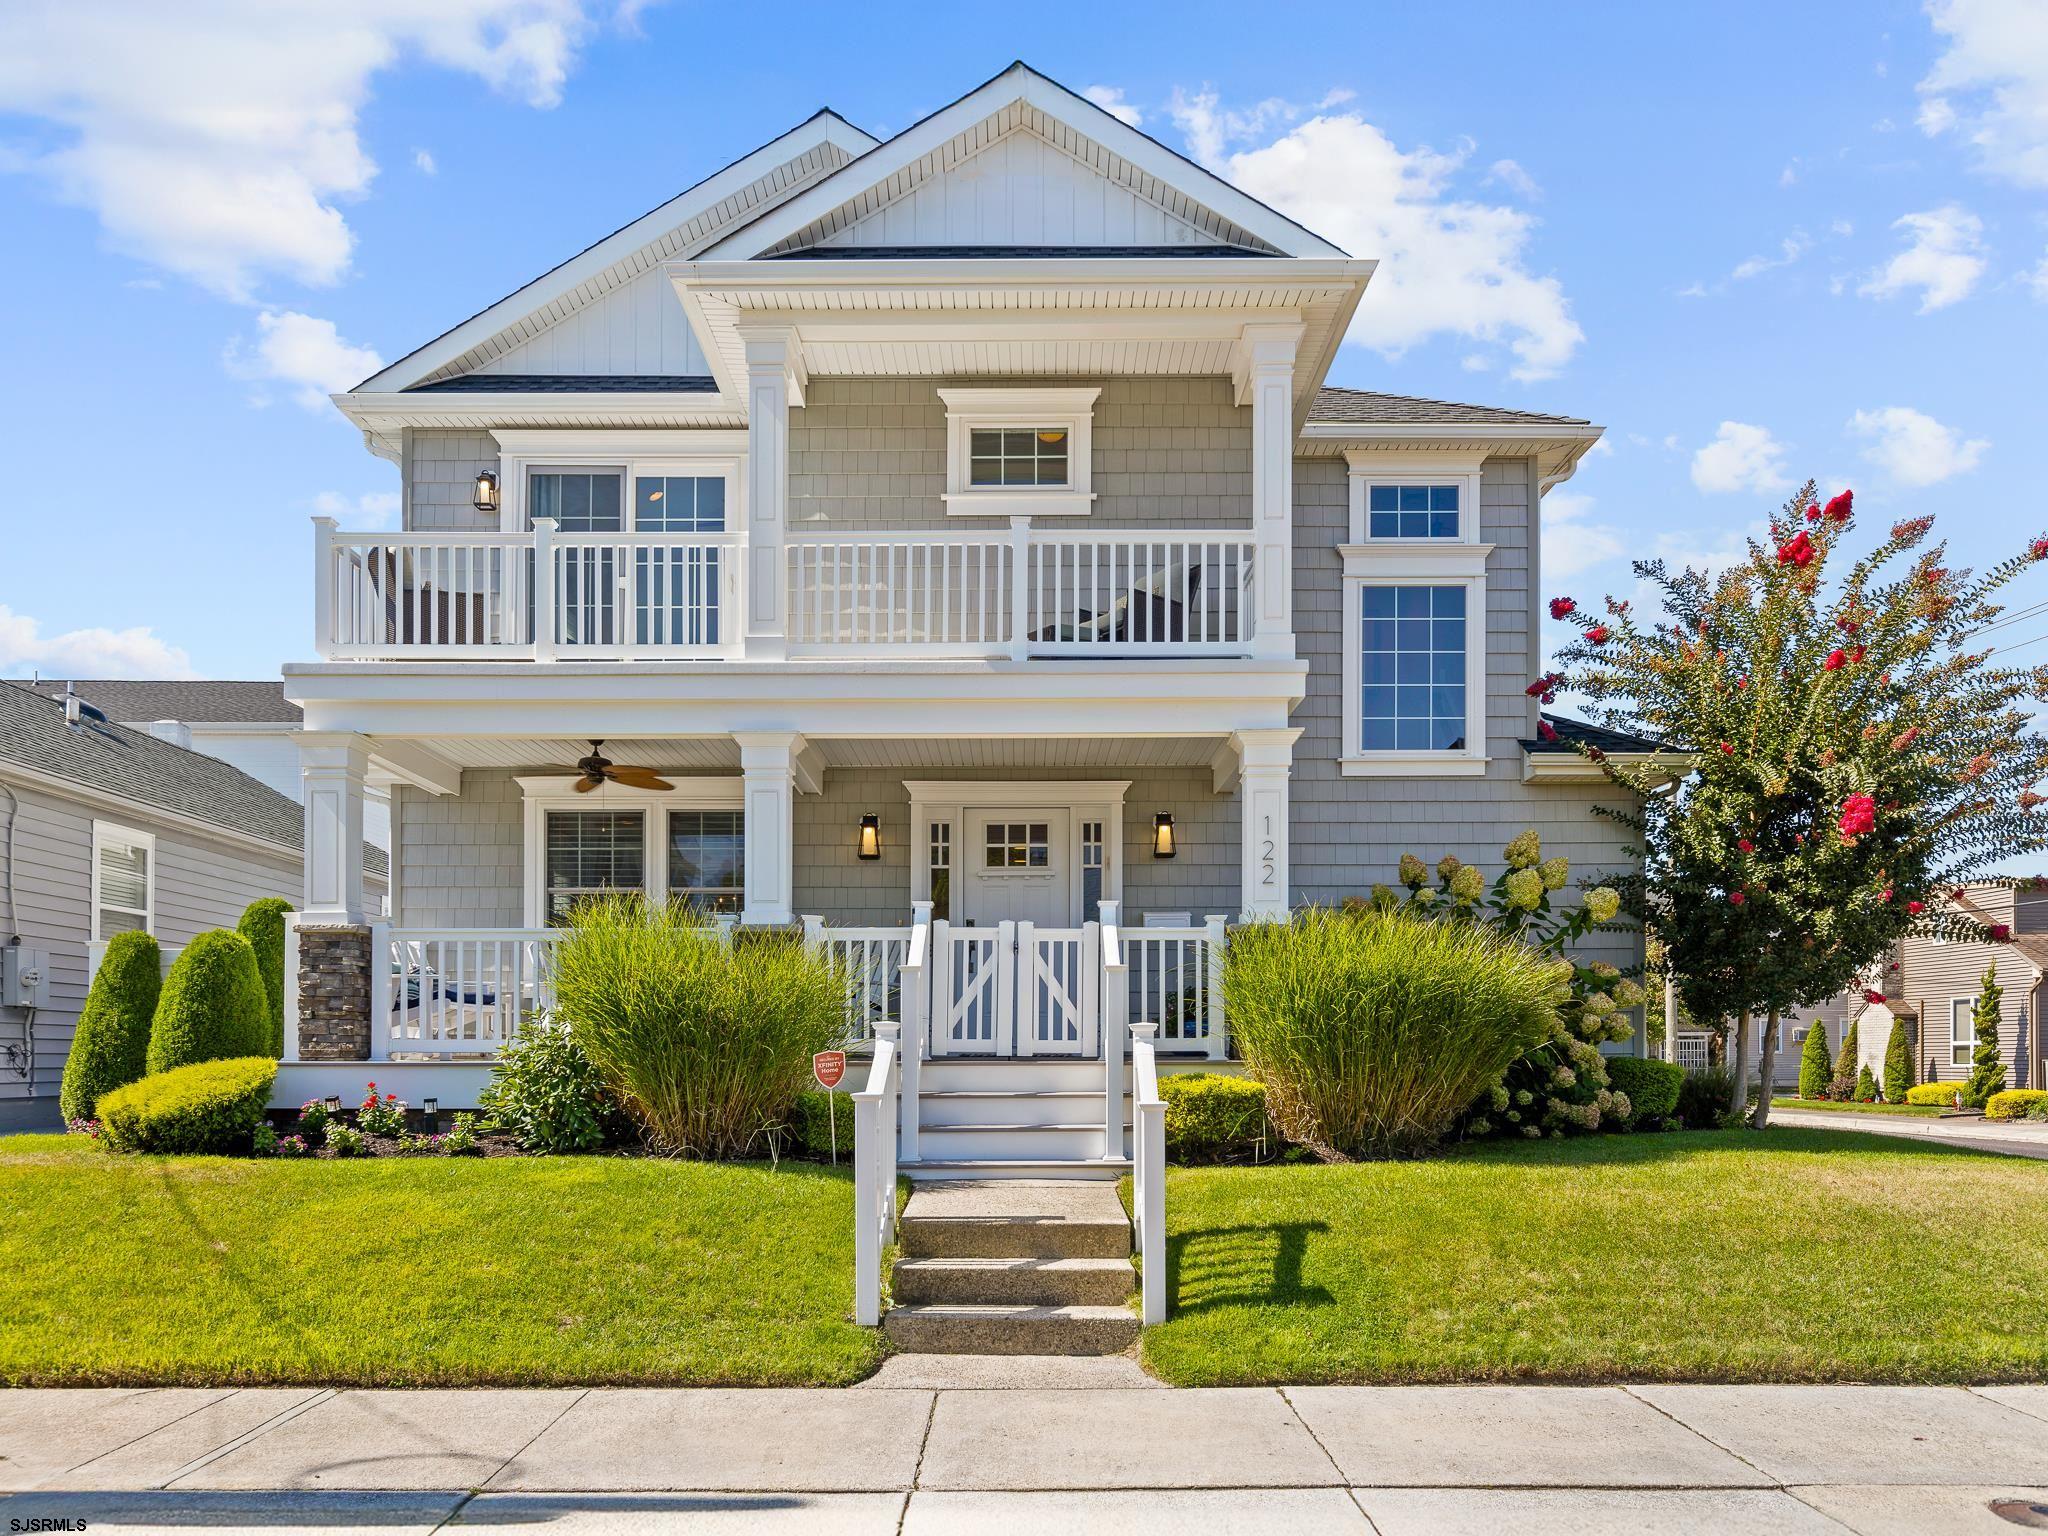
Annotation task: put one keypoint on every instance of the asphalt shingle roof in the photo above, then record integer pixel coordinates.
(570, 384)
(137, 766)
(1570, 731)
(1006, 252)
(1367, 407)
(195, 703)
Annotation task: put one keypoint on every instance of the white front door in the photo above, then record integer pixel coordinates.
(1019, 869)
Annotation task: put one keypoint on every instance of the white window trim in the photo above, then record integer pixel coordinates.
(556, 793)
(708, 454)
(1439, 564)
(1072, 409)
(1370, 469)
(1970, 1045)
(1084, 799)
(127, 837)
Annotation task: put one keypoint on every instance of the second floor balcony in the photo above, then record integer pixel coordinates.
(1019, 592)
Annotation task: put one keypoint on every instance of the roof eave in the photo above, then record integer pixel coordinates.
(1571, 768)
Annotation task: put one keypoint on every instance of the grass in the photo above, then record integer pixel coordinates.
(1786, 1255)
(1836, 1107)
(417, 1272)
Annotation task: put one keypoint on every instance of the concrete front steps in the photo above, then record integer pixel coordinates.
(1001, 1117)
(1010, 1266)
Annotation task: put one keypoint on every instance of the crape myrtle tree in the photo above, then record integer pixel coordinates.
(1855, 753)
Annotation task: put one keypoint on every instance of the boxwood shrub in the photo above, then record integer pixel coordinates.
(1214, 1119)
(2016, 1104)
(1943, 1094)
(212, 1006)
(815, 1117)
(210, 1106)
(1652, 1087)
(262, 925)
(110, 1047)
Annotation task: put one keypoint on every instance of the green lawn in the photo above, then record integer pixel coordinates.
(1836, 1107)
(456, 1271)
(1789, 1255)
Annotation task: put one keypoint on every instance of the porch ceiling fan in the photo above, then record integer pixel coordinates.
(596, 768)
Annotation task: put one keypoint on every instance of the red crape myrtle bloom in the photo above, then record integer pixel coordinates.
(1545, 731)
(2038, 549)
(1872, 995)
(1838, 510)
(1837, 659)
(1560, 607)
(2001, 931)
(1916, 907)
(1736, 898)
(1745, 845)
(1598, 634)
(1798, 550)
(1859, 815)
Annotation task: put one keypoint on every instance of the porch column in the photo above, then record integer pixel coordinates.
(773, 384)
(333, 766)
(1266, 757)
(769, 761)
(1267, 379)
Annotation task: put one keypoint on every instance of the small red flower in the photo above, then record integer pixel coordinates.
(1598, 634)
(1855, 653)
(1905, 738)
(1813, 514)
(1727, 750)
(1886, 895)
(1798, 550)
(1838, 510)
(1562, 606)
(2001, 931)
(1837, 659)
(1859, 815)
(1745, 845)
(1736, 898)
(1934, 575)
(2038, 550)
(1871, 995)
(1915, 908)
(1546, 731)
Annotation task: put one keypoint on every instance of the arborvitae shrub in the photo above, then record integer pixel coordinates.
(110, 1047)
(212, 1006)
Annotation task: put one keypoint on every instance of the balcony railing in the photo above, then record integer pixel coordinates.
(1022, 592)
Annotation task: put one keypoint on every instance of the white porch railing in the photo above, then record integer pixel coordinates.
(1148, 1173)
(870, 962)
(457, 992)
(874, 1175)
(545, 595)
(1175, 978)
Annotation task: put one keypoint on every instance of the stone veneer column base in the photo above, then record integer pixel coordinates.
(334, 993)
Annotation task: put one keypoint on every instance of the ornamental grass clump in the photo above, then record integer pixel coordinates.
(705, 1044)
(1373, 1030)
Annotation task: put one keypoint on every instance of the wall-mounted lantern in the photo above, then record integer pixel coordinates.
(486, 497)
(871, 836)
(1162, 836)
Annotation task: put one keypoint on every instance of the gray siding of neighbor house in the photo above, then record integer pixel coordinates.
(1935, 975)
(201, 883)
(1349, 833)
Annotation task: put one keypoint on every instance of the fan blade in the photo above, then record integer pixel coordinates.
(637, 778)
(586, 784)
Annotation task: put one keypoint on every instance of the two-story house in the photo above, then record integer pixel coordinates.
(949, 536)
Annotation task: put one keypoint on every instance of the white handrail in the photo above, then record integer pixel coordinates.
(1148, 1171)
(1113, 998)
(874, 1176)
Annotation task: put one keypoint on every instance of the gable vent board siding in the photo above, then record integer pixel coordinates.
(1019, 178)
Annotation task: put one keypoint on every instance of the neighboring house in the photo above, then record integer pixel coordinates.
(103, 830)
(248, 724)
(959, 526)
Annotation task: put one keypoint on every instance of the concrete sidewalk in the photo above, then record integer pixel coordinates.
(2013, 1138)
(1303, 1461)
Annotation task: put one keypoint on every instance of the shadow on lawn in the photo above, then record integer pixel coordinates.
(1242, 1266)
(1679, 1146)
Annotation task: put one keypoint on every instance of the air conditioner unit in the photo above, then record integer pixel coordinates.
(24, 977)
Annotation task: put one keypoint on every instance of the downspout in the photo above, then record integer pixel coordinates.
(28, 1025)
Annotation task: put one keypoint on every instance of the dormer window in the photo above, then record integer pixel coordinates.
(1018, 452)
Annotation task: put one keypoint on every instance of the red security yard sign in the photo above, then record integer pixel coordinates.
(829, 1067)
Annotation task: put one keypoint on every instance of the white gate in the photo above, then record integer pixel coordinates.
(1016, 989)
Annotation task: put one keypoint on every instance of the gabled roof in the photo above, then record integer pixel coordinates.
(1006, 252)
(204, 702)
(775, 171)
(153, 774)
(1369, 406)
(570, 383)
(960, 128)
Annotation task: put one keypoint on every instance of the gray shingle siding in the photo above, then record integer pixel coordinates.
(440, 470)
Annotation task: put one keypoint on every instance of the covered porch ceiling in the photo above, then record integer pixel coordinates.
(1016, 318)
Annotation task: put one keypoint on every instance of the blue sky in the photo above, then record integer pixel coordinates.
(1756, 242)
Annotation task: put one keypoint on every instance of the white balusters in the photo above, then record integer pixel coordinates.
(449, 992)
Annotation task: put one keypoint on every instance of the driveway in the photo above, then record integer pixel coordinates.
(2014, 1138)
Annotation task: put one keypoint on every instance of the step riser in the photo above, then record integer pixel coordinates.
(1024, 1285)
(1098, 1172)
(1003, 1074)
(998, 1108)
(1024, 1143)
(949, 1238)
(1011, 1336)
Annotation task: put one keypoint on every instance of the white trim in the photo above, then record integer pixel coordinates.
(555, 792)
(1446, 566)
(1019, 83)
(1970, 1045)
(113, 833)
(1368, 470)
(950, 801)
(1570, 768)
(1069, 410)
(711, 453)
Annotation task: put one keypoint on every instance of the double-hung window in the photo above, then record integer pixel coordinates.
(1414, 657)
(592, 853)
(707, 859)
(123, 880)
(1962, 1031)
(1019, 452)
(686, 844)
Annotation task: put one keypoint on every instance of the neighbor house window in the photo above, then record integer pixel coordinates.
(707, 859)
(1018, 452)
(1962, 1031)
(590, 853)
(123, 880)
(1412, 669)
(1412, 512)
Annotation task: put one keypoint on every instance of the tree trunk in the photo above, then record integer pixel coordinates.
(1670, 1019)
(1767, 1060)
(1738, 1065)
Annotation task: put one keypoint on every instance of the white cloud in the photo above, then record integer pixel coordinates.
(218, 139)
(1509, 173)
(1789, 176)
(2037, 279)
(1790, 249)
(304, 352)
(1111, 99)
(1741, 458)
(1943, 258)
(1447, 266)
(1912, 447)
(1572, 542)
(87, 652)
(1991, 84)
(423, 162)
(366, 513)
